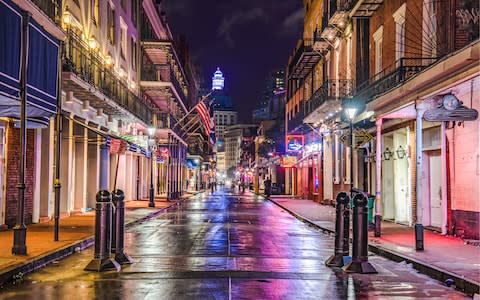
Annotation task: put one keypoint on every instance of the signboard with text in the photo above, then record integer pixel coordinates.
(294, 143)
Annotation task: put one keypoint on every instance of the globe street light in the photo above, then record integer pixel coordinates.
(151, 133)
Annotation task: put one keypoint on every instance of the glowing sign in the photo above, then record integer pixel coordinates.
(294, 143)
(312, 148)
(289, 161)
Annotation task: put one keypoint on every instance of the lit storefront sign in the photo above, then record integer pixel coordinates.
(312, 148)
(294, 143)
(288, 161)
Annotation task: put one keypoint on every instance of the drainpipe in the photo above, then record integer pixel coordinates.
(378, 183)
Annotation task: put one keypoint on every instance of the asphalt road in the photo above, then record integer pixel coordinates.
(226, 246)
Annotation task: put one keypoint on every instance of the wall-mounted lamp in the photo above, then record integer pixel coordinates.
(401, 153)
(108, 60)
(387, 154)
(67, 18)
(92, 43)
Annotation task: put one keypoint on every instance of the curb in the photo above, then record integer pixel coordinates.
(464, 285)
(41, 261)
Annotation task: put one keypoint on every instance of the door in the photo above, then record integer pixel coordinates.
(401, 178)
(435, 175)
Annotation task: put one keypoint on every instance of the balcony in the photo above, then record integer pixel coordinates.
(50, 7)
(166, 120)
(327, 99)
(391, 77)
(303, 60)
(364, 8)
(339, 11)
(160, 83)
(85, 74)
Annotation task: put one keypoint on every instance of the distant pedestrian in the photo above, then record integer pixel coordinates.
(268, 187)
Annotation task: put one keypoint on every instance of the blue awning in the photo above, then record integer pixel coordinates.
(42, 66)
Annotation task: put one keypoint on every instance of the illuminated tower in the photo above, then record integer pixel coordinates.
(218, 81)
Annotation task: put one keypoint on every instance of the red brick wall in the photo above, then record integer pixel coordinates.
(12, 175)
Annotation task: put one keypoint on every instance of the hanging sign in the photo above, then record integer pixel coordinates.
(294, 143)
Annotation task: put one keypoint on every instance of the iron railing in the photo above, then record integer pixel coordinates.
(87, 65)
(162, 73)
(330, 89)
(392, 76)
(50, 7)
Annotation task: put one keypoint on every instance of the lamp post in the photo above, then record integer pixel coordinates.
(350, 112)
(151, 133)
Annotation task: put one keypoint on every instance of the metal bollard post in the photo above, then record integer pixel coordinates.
(359, 263)
(118, 241)
(103, 230)
(342, 228)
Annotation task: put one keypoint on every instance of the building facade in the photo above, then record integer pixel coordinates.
(120, 76)
(370, 56)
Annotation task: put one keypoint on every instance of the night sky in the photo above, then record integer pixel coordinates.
(247, 39)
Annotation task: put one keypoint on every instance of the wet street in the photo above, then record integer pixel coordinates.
(226, 246)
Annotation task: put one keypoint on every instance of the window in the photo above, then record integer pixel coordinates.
(134, 12)
(95, 12)
(123, 38)
(378, 40)
(429, 29)
(232, 119)
(110, 23)
(399, 17)
(134, 53)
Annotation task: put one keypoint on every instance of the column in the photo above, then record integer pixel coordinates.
(37, 170)
(418, 174)
(287, 181)
(92, 175)
(320, 176)
(378, 184)
(80, 168)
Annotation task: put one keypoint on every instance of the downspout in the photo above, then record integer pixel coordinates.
(378, 179)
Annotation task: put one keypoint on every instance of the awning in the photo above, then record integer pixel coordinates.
(42, 66)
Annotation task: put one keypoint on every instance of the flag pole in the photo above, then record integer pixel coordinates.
(191, 110)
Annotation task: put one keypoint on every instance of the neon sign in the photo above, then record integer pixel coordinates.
(294, 143)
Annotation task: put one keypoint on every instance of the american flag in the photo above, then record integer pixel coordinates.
(206, 116)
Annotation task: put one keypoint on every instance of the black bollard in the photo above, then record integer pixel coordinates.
(103, 230)
(359, 263)
(118, 241)
(342, 231)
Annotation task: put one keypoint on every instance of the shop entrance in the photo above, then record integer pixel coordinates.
(435, 188)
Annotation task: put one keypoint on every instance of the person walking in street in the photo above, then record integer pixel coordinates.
(268, 187)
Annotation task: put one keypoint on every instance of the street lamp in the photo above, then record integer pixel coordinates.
(350, 112)
(151, 133)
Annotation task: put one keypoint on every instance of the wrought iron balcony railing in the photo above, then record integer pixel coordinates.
(87, 65)
(394, 75)
(330, 90)
(50, 7)
(162, 73)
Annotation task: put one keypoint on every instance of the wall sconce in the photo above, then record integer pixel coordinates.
(92, 43)
(401, 153)
(67, 18)
(133, 85)
(108, 60)
(387, 154)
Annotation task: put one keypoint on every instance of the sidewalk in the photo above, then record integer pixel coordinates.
(76, 233)
(444, 256)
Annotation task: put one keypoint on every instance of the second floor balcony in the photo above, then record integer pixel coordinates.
(163, 78)
(303, 59)
(89, 78)
(52, 8)
(392, 76)
(327, 99)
